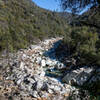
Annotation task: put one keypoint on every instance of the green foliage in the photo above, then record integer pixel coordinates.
(90, 18)
(22, 22)
(94, 89)
(84, 44)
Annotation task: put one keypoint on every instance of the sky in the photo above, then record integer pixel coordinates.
(48, 4)
(53, 5)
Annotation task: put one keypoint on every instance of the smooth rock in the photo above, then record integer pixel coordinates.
(43, 63)
(22, 65)
(19, 81)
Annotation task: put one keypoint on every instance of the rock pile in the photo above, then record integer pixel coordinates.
(28, 75)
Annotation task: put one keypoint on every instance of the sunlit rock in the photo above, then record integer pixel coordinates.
(43, 63)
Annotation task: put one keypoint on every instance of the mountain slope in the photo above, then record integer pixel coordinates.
(90, 18)
(83, 39)
(22, 22)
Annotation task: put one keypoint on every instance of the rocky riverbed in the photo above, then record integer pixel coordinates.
(36, 73)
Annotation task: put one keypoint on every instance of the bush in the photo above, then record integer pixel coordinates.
(84, 44)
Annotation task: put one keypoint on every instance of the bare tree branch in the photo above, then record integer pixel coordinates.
(78, 5)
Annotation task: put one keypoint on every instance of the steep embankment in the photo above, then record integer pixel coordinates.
(22, 22)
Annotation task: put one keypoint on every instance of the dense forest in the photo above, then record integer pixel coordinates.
(84, 37)
(22, 23)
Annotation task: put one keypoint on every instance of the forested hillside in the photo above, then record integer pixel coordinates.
(22, 23)
(90, 18)
(82, 39)
(82, 43)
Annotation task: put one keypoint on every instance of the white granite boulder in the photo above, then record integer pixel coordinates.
(43, 63)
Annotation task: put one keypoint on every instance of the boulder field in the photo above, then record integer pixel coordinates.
(27, 79)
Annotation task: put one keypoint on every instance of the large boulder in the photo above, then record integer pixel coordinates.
(78, 76)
